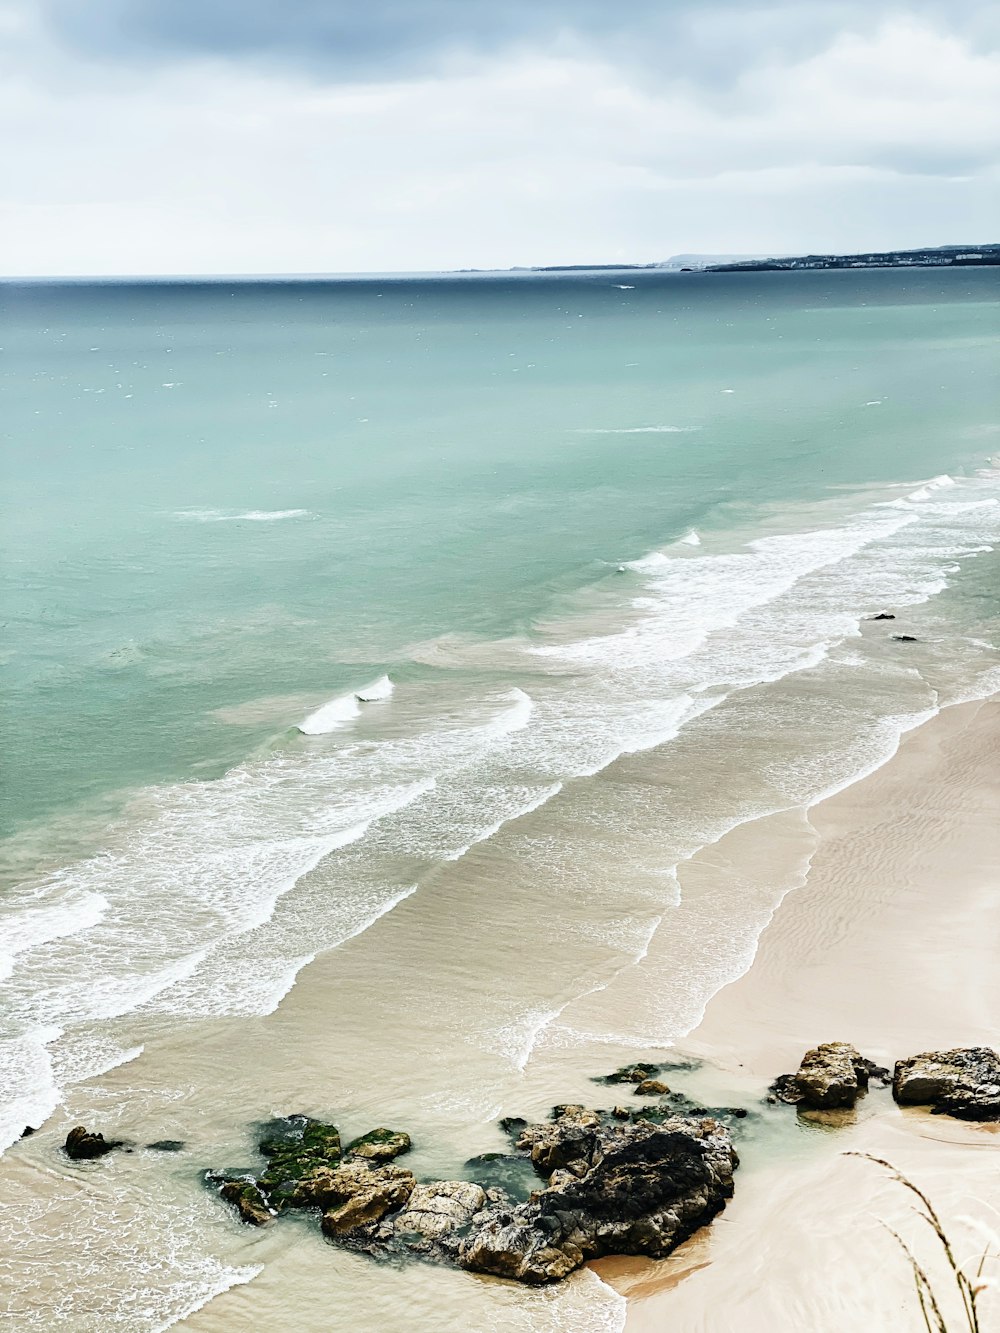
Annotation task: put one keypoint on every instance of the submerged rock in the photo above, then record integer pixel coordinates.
(82, 1144)
(637, 1073)
(379, 1145)
(963, 1082)
(247, 1198)
(883, 615)
(832, 1075)
(167, 1145)
(904, 638)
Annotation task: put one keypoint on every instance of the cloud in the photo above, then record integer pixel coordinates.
(706, 41)
(566, 153)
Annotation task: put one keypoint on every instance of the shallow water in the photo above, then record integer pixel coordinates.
(613, 553)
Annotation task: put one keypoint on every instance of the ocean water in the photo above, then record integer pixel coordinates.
(380, 649)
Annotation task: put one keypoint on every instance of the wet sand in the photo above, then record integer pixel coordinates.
(891, 944)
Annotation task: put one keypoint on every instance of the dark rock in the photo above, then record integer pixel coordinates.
(904, 638)
(83, 1143)
(512, 1124)
(27, 1132)
(379, 1145)
(647, 1188)
(963, 1082)
(621, 1112)
(167, 1145)
(883, 615)
(567, 1144)
(651, 1087)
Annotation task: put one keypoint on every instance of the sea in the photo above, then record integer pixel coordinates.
(376, 653)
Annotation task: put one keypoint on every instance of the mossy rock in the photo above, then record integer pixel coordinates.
(300, 1136)
(380, 1145)
(240, 1189)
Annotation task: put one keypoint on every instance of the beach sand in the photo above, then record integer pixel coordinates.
(891, 944)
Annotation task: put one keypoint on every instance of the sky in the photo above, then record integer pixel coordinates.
(335, 136)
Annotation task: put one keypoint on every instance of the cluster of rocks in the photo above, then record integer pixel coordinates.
(608, 1182)
(963, 1082)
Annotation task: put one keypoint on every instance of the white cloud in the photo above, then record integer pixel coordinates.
(884, 139)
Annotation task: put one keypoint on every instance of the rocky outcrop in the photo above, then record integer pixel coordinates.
(83, 1143)
(964, 1082)
(883, 615)
(637, 1188)
(831, 1076)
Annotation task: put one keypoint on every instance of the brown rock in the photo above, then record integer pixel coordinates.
(962, 1082)
(651, 1087)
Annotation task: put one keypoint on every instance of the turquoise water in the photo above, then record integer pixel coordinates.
(215, 492)
(598, 553)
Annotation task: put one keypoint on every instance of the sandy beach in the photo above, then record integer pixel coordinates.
(891, 944)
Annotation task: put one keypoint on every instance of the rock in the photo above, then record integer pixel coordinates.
(167, 1145)
(904, 638)
(621, 1112)
(27, 1132)
(963, 1082)
(883, 615)
(436, 1210)
(82, 1143)
(379, 1145)
(647, 1188)
(566, 1144)
(248, 1200)
(355, 1195)
(651, 1087)
(832, 1075)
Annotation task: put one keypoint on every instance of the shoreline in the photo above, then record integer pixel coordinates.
(868, 951)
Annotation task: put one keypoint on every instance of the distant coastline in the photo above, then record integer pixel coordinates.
(940, 256)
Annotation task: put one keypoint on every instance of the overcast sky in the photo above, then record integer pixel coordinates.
(266, 136)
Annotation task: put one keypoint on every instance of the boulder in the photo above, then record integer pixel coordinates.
(883, 615)
(167, 1145)
(963, 1082)
(832, 1075)
(647, 1188)
(904, 638)
(356, 1195)
(379, 1145)
(83, 1143)
(651, 1087)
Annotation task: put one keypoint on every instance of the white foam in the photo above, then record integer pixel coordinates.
(690, 539)
(238, 516)
(331, 716)
(377, 690)
(637, 430)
